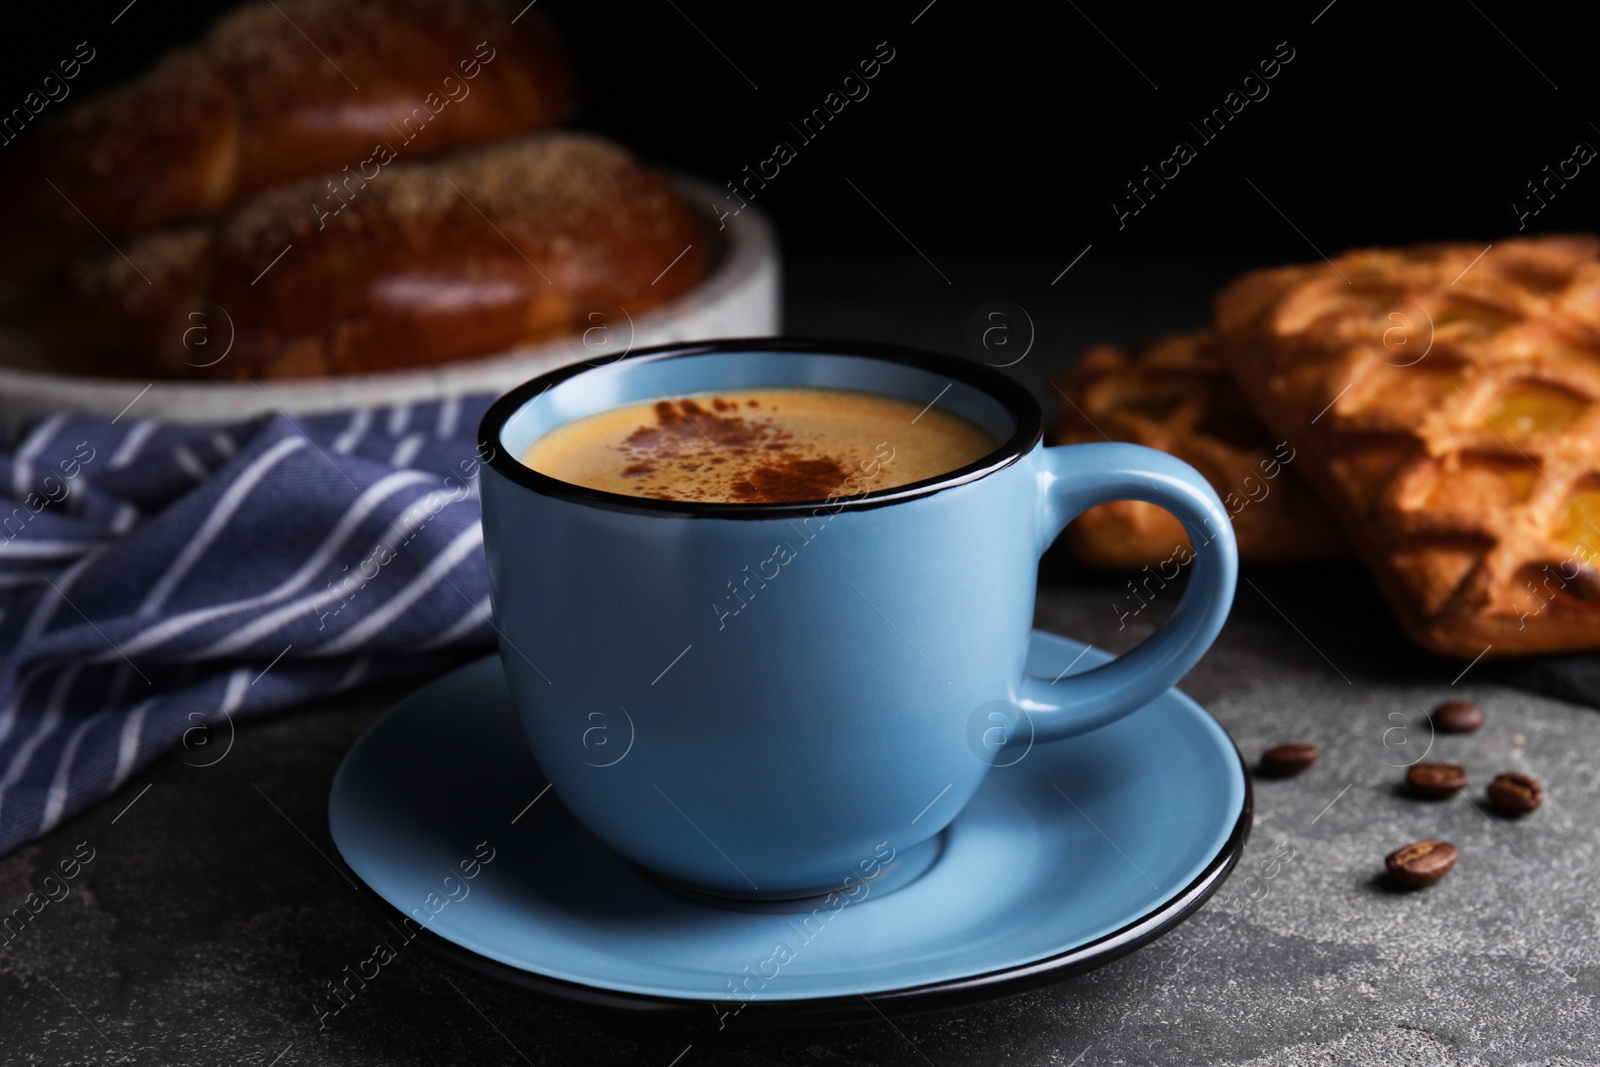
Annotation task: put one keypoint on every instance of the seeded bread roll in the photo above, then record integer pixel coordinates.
(274, 92)
(425, 263)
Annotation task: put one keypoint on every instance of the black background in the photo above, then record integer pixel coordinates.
(1009, 128)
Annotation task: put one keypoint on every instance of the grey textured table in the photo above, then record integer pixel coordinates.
(207, 925)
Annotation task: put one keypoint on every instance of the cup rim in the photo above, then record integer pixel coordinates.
(1019, 403)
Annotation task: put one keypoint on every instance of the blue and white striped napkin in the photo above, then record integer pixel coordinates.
(155, 578)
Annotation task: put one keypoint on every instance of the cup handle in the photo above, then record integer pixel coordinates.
(1074, 478)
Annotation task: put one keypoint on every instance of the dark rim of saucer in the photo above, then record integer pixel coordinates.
(1010, 394)
(910, 1000)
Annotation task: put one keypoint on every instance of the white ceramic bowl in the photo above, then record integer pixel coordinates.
(741, 297)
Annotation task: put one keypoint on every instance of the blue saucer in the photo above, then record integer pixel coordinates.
(1079, 852)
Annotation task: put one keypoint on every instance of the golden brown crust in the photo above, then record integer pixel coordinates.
(428, 262)
(1444, 398)
(275, 93)
(1175, 395)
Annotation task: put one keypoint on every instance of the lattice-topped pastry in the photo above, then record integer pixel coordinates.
(1175, 394)
(1443, 400)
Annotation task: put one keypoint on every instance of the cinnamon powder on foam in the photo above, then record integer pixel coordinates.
(761, 461)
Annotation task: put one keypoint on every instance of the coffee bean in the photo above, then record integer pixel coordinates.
(1457, 717)
(1516, 794)
(1436, 781)
(1283, 761)
(1421, 863)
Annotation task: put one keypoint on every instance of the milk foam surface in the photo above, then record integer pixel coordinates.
(759, 446)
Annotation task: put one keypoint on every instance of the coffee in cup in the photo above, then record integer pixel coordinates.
(794, 682)
(755, 446)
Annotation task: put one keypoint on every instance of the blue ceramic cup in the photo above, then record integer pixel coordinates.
(776, 700)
